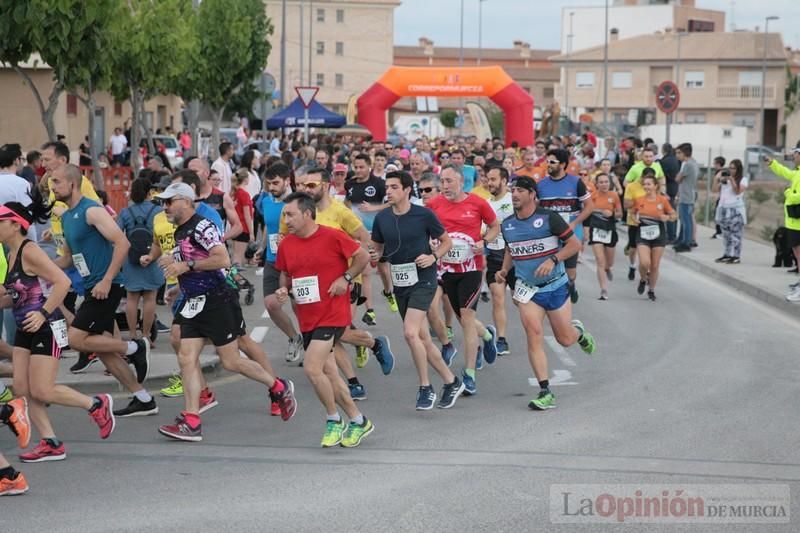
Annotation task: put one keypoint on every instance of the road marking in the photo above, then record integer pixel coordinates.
(559, 351)
(560, 377)
(260, 272)
(265, 314)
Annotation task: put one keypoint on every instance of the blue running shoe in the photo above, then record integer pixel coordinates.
(490, 346)
(479, 358)
(383, 353)
(449, 353)
(357, 392)
(469, 384)
(502, 346)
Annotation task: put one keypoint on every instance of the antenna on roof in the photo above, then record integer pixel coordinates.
(733, 15)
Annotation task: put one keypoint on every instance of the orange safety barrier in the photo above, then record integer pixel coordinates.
(116, 183)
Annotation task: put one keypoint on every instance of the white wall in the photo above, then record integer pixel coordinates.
(588, 23)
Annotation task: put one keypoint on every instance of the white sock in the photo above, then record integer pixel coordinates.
(358, 419)
(335, 417)
(132, 347)
(143, 396)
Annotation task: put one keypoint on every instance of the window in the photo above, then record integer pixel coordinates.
(748, 120)
(320, 79)
(548, 92)
(694, 118)
(340, 15)
(320, 48)
(621, 80)
(584, 80)
(72, 104)
(339, 81)
(117, 109)
(694, 79)
(750, 79)
(320, 15)
(339, 48)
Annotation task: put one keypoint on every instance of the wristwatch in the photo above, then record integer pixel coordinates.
(554, 259)
(347, 277)
(190, 264)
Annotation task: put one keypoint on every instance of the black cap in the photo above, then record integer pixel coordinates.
(525, 182)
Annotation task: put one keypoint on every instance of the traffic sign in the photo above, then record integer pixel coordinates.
(307, 95)
(667, 97)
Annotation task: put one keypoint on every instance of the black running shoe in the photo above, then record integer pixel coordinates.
(631, 273)
(641, 287)
(161, 327)
(141, 359)
(85, 360)
(137, 407)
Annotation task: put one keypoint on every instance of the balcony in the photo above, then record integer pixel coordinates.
(745, 92)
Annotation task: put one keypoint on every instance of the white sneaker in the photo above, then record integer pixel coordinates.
(794, 286)
(293, 352)
(794, 296)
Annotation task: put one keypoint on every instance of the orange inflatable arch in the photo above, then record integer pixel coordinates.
(494, 82)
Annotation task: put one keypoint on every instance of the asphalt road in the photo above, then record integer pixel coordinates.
(698, 388)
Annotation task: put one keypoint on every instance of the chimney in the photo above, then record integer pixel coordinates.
(525, 50)
(518, 44)
(613, 35)
(427, 46)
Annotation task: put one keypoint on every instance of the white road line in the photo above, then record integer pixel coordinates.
(560, 377)
(559, 351)
(260, 271)
(265, 314)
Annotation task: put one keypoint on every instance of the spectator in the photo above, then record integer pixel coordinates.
(251, 160)
(29, 171)
(791, 208)
(718, 166)
(85, 151)
(687, 189)
(117, 144)
(223, 165)
(670, 166)
(731, 214)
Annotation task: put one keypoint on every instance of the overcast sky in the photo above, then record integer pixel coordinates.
(538, 21)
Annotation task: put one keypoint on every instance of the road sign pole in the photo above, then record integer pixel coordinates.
(669, 123)
(305, 129)
(307, 95)
(264, 107)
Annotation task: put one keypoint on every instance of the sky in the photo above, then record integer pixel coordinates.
(507, 20)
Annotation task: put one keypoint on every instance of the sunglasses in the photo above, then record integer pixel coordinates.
(427, 189)
(553, 161)
(444, 157)
(310, 184)
(168, 201)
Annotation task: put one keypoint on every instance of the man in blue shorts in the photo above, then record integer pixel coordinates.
(537, 243)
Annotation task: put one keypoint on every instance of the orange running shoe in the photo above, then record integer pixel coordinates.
(12, 487)
(19, 423)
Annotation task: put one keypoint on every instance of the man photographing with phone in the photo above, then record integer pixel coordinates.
(791, 209)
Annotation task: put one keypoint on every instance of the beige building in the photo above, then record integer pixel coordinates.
(346, 46)
(20, 120)
(718, 74)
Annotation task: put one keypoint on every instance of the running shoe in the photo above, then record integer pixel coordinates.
(356, 432)
(274, 409)
(362, 356)
(734, 261)
(181, 430)
(175, 387)
(357, 391)
(19, 422)
(652, 295)
(794, 286)
(479, 358)
(631, 273)
(286, 400)
(450, 393)
(573, 292)
(333, 433)
(141, 359)
(642, 285)
(585, 340)
(490, 346)
(44, 451)
(161, 327)
(392, 301)
(103, 415)
(450, 333)
(449, 353)
(85, 360)
(545, 400)
(426, 397)
(383, 353)
(13, 486)
(793, 296)
(502, 346)
(208, 400)
(294, 349)
(7, 396)
(469, 384)
(136, 407)
(722, 259)
(369, 318)
(485, 297)
(609, 274)
(603, 295)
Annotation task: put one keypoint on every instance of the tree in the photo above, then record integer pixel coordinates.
(448, 118)
(233, 52)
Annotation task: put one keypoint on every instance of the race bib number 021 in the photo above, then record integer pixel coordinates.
(460, 252)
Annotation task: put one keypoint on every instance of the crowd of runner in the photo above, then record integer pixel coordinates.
(442, 225)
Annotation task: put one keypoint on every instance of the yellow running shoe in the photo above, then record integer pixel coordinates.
(362, 356)
(333, 434)
(175, 387)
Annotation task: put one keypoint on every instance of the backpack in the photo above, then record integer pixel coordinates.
(140, 236)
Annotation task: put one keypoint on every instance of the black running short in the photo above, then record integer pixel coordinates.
(419, 297)
(97, 316)
(793, 237)
(462, 289)
(270, 280)
(219, 319)
(39, 342)
(633, 236)
(322, 334)
(612, 244)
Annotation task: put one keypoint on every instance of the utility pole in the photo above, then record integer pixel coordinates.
(301, 43)
(762, 120)
(566, 73)
(310, 32)
(605, 74)
(283, 53)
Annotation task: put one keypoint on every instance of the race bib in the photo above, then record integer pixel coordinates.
(460, 252)
(306, 290)
(498, 244)
(524, 292)
(80, 264)
(58, 239)
(404, 275)
(193, 306)
(601, 235)
(273, 244)
(59, 329)
(650, 233)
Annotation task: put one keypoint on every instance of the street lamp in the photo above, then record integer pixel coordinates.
(480, 30)
(566, 70)
(605, 73)
(764, 78)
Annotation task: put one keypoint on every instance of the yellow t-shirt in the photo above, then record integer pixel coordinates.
(633, 191)
(482, 192)
(164, 232)
(87, 190)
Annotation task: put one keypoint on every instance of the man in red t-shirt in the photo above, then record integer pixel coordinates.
(320, 285)
(462, 215)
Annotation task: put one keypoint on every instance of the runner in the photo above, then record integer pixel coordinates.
(210, 310)
(566, 195)
(14, 414)
(538, 241)
(633, 192)
(35, 287)
(402, 234)
(462, 215)
(497, 180)
(603, 230)
(97, 247)
(320, 283)
(651, 212)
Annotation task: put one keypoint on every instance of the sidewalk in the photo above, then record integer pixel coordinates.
(754, 276)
